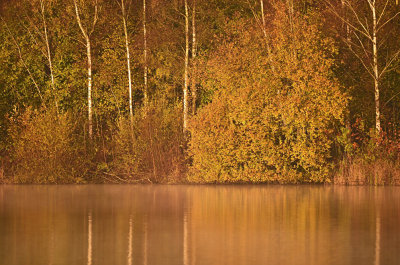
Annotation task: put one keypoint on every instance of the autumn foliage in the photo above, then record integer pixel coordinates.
(276, 92)
(44, 148)
(152, 152)
(273, 114)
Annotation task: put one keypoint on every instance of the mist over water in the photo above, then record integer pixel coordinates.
(111, 224)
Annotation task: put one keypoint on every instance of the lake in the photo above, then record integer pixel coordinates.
(151, 224)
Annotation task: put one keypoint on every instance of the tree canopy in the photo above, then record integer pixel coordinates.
(282, 91)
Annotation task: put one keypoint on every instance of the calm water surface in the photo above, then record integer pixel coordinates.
(110, 224)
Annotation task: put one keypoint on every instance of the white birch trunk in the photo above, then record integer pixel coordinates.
(90, 115)
(145, 90)
(47, 42)
(263, 19)
(375, 68)
(86, 34)
(186, 78)
(361, 30)
(194, 54)
(128, 62)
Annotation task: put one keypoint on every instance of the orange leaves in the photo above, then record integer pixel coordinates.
(272, 114)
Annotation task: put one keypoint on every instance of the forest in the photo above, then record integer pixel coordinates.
(200, 91)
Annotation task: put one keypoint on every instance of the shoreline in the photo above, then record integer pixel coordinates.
(216, 184)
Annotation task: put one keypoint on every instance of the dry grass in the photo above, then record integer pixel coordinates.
(361, 172)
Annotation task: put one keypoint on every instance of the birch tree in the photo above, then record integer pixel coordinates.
(260, 20)
(264, 26)
(194, 54)
(186, 71)
(122, 5)
(48, 54)
(45, 43)
(145, 66)
(39, 34)
(87, 31)
(364, 38)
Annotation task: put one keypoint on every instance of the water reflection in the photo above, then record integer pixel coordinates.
(199, 225)
(145, 243)
(185, 240)
(377, 240)
(89, 259)
(130, 241)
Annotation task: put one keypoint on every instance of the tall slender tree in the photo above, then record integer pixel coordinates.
(186, 71)
(87, 32)
(40, 37)
(366, 24)
(264, 25)
(48, 50)
(376, 78)
(145, 66)
(261, 21)
(194, 54)
(122, 5)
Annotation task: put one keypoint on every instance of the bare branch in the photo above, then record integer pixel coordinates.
(383, 12)
(119, 3)
(371, 4)
(361, 31)
(388, 64)
(257, 18)
(362, 61)
(77, 40)
(34, 39)
(387, 21)
(391, 99)
(362, 46)
(366, 32)
(78, 18)
(95, 17)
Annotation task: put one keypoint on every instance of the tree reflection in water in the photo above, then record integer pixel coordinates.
(193, 225)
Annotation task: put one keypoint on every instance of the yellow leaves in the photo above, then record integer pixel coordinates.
(43, 151)
(269, 123)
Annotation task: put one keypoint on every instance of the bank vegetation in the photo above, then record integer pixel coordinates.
(200, 91)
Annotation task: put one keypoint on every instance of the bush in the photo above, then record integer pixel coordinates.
(273, 114)
(42, 149)
(153, 150)
(369, 159)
